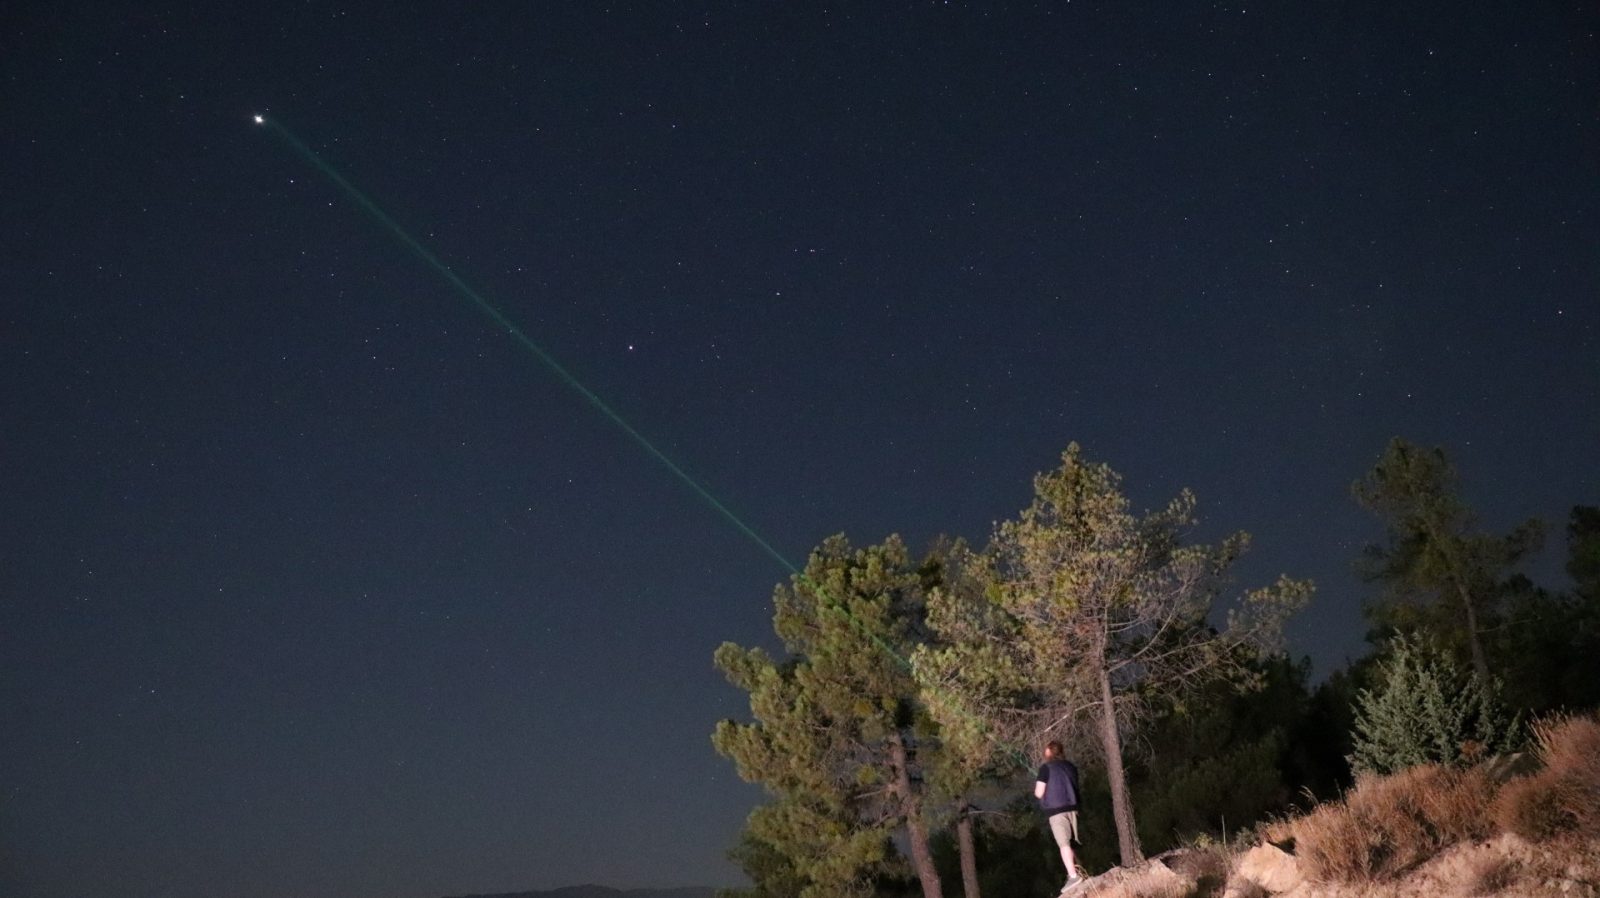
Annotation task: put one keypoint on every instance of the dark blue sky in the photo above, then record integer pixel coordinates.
(313, 583)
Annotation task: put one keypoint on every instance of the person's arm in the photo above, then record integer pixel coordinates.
(1038, 790)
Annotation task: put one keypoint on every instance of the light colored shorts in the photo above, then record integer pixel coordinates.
(1064, 826)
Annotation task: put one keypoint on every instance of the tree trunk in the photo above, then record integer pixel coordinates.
(1121, 800)
(916, 830)
(968, 853)
(1479, 662)
(1455, 574)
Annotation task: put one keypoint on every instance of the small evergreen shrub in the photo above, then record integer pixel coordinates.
(1427, 710)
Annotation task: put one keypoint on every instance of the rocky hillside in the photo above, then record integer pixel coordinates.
(1525, 826)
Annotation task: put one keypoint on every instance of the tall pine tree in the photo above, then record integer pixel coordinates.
(839, 734)
(1090, 609)
(1441, 572)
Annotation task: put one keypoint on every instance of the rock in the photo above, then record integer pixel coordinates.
(1501, 768)
(1164, 876)
(1152, 877)
(1269, 867)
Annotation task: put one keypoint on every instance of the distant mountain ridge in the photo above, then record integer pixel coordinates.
(592, 891)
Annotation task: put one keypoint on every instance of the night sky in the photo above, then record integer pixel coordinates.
(313, 582)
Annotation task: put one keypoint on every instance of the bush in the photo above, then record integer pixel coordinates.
(1388, 825)
(1570, 749)
(1427, 710)
(1525, 808)
(1393, 809)
(1455, 803)
(1335, 847)
(1564, 797)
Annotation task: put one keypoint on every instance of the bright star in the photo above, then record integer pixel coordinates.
(259, 119)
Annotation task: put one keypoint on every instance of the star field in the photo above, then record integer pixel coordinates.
(313, 582)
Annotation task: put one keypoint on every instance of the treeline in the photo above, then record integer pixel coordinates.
(898, 734)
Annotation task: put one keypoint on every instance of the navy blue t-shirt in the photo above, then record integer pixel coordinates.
(1060, 780)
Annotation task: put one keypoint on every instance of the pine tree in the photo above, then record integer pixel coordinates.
(1550, 641)
(1442, 574)
(1088, 611)
(840, 736)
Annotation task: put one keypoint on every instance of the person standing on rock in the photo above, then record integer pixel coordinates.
(1057, 792)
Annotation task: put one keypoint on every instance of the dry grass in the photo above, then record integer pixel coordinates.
(1426, 832)
(1524, 807)
(1455, 805)
(1391, 809)
(1490, 874)
(1388, 825)
(1335, 847)
(1563, 798)
(1571, 751)
(1569, 743)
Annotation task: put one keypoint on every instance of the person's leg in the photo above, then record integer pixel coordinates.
(1065, 828)
(1066, 844)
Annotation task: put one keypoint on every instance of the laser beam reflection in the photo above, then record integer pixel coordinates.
(466, 291)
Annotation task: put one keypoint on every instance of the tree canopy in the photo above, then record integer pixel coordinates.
(839, 734)
(1441, 572)
(912, 696)
(1091, 610)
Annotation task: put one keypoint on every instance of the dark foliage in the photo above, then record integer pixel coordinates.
(1226, 760)
(1549, 643)
(1015, 852)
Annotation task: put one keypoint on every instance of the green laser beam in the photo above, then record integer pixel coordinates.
(494, 314)
(483, 305)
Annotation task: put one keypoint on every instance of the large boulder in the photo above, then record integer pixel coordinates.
(1269, 867)
(1155, 876)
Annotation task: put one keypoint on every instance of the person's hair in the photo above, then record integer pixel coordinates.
(1055, 750)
